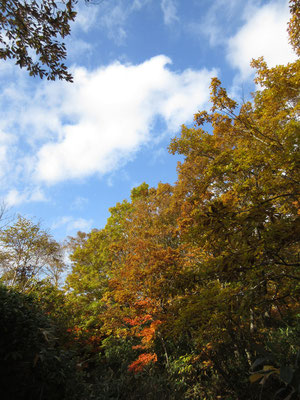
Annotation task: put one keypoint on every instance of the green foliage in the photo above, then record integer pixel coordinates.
(279, 360)
(32, 366)
(29, 254)
(53, 302)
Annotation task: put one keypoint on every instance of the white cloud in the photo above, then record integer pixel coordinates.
(56, 131)
(73, 224)
(263, 34)
(107, 114)
(14, 197)
(169, 10)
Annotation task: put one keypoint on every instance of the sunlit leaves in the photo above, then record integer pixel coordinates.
(29, 254)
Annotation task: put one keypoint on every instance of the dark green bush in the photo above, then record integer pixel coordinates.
(32, 364)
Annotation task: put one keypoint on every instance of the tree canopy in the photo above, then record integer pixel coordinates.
(29, 254)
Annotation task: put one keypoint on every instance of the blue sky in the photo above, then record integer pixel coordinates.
(141, 68)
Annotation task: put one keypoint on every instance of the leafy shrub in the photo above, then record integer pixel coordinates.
(32, 365)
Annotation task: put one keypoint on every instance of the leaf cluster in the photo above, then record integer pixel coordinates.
(31, 33)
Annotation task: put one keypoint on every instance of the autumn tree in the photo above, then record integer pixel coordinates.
(294, 26)
(121, 280)
(92, 265)
(29, 254)
(141, 286)
(239, 192)
(213, 262)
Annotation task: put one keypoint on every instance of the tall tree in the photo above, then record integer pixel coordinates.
(28, 254)
(239, 190)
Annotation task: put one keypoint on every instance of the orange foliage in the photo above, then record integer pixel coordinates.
(148, 333)
(143, 360)
(138, 320)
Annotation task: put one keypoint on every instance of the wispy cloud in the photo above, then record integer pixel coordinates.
(113, 21)
(110, 17)
(79, 203)
(6, 141)
(15, 198)
(138, 4)
(72, 224)
(87, 16)
(218, 20)
(169, 10)
(159, 156)
(113, 17)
